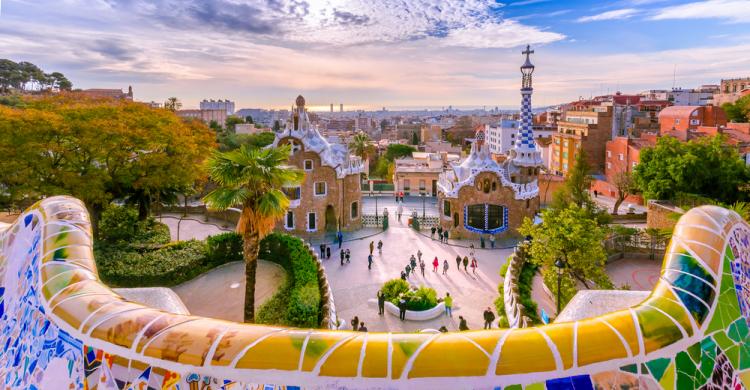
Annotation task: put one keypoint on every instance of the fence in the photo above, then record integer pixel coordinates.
(653, 243)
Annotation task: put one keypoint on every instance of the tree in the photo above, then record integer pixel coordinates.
(276, 126)
(249, 119)
(705, 166)
(573, 236)
(25, 76)
(625, 185)
(231, 123)
(172, 104)
(394, 151)
(360, 145)
(253, 180)
(738, 111)
(414, 138)
(97, 150)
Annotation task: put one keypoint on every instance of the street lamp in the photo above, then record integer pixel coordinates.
(376, 208)
(560, 265)
(424, 197)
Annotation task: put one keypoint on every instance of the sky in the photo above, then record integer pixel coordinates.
(369, 54)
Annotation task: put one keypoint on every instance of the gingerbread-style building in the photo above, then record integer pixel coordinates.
(481, 196)
(330, 196)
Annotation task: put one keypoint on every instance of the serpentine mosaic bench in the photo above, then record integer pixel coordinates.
(63, 329)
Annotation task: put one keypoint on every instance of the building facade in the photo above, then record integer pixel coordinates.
(480, 196)
(207, 116)
(226, 105)
(588, 130)
(420, 173)
(681, 121)
(330, 196)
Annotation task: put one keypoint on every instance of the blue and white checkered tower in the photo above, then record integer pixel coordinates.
(527, 154)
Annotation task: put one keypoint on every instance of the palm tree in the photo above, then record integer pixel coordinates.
(360, 145)
(252, 179)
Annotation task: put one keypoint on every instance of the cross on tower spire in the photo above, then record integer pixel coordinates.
(527, 51)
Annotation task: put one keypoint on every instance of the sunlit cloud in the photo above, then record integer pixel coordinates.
(731, 10)
(610, 15)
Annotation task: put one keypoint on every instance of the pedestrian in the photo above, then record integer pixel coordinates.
(369, 261)
(408, 270)
(489, 316)
(340, 238)
(402, 309)
(466, 263)
(471, 249)
(474, 265)
(458, 263)
(440, 233)
(413, 264)
(380, 247)
(448, 304)
(443, 329)
(322, 251)
(596, 194)
(419, 255)
(403, 275)
(481, 241)
(362, 327)
(372, 246)
(462, 324)
(355, 323)
(328, 252)
(348, 255)
(399, 211)
(435, 264)
(445, 266)
(341, 253)
(432, 232)
(381, 303)
(492, 241)
(402, 196)
(445, 236)
(421, 267)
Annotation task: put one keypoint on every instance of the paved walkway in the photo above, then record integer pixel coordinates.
(638, 272)
(411, 203)
(220, 293)
(193, 226)
(353, 284)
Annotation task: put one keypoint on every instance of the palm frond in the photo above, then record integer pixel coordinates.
(223, 198)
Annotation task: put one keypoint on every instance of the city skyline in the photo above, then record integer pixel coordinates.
(405, 54)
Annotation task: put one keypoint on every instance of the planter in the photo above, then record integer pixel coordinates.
(423, 315)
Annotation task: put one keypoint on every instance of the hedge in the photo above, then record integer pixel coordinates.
(423, 298)
(298, 302)
(525, 280)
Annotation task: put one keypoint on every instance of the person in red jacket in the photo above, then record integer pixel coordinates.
(435, 264)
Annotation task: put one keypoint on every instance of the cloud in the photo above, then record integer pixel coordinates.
(609, 15)
(737, 11)
(527, 2)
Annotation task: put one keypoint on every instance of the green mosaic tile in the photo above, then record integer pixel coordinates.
(685, 371)
(667, 380)
(536, 386)
(514, 387)
(738, 330)
(728, 309)
(631, 368)
(723, 340)
(708, 357)
(733, 354)
(657, 367)
(644, 369)
(744, 356)
(695, 352)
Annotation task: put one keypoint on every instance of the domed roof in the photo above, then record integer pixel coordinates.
(300, 102)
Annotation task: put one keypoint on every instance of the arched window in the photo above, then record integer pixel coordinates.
(494, 186)
(485, 218)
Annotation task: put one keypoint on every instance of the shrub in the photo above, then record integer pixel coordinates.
(393, 288)
(420, 299)
(525, 280)
(502, 321)
(120, 225)
(298, 303)
(224, 248)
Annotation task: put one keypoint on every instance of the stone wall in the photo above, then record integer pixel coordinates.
(468, 195)
(661, 215)
(514, 310)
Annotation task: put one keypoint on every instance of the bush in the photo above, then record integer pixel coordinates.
(525, 280)
(298, 302)
(224, 248)
(120, 225)
(420, 299)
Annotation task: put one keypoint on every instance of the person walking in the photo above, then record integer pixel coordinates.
(380, 247)
(369, 261)
(402, 196)
(341, 253)
(328, 252)
(362, 327)
(432, 232)
(402, 309)
(440, 233)
(323, 251)
(340, 238)
(355, 323)
(458, 263)
(399, 211)
(348, 255)
(445, 267)
(403, 275)
(408, 270)
(421, 267)
(381, 303)
(448, 304)
(372, 246)
(471, 249)
(466, 263)
(481, 241)
(492, 241)
(419, 255)
(462, 324)
(413, 264)
(474, 265)
(489, 316)
(435, 264)
(445, 236)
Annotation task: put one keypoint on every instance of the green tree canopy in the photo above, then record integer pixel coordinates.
(705, 166)
(97, 150)
(573, 236)
(738, 111)
(395, 151)
(360, 145)
(24, 76)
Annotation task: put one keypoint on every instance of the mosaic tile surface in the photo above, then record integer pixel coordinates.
(63, 329)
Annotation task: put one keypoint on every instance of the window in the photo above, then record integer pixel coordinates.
(293, 193)
(621, 157)
(354, 210)
(421, 185)
(308, 165)
(565, 166)
(609, 154)
(446, 208)
(565, 143)
(320, 188)
(609, 165)
(407, 185)
(565, 154)
(312, 222)
(289, 220)
(634, 164)
(676, 121)
(485, 217)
